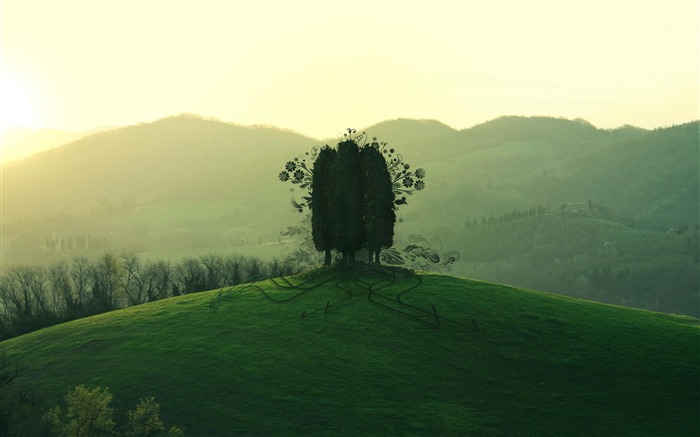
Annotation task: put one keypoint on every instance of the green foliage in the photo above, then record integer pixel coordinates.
(89, 414)
(321, 189)
(145, 419)
(516, 362)
(347, 229)
(379, 214)
(353, 194)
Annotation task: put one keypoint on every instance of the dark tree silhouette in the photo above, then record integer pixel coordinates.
(352, 194)
(347, 229)
(378, 202)
(321, 188)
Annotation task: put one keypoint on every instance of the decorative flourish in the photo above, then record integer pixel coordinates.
(294, 230)
(404, 180)
(299, 172)
(420, 253)
(359, 186)
(359, 139)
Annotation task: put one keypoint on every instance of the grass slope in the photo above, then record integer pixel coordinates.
(368, 357)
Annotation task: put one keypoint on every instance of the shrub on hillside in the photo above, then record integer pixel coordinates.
(89, 414)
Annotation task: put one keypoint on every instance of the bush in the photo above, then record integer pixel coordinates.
(89, 414)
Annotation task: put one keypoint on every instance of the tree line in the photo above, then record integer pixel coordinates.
(36, 296)
(81, 243)
(533, 211)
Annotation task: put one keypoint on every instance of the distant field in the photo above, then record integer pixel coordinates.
(383, 352)
(181, 213)
(263, 251)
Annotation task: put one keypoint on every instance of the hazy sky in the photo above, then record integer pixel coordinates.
(320, 66)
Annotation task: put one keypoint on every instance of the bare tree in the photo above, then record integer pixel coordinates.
(190, 275)
(61, 289)
(233, 269)
(157, 278)
(81, 275)
(214, 266)
(132, 281)
(12, 306)
(255, 267)
(37, 280)
(24, 299)
(105, 283)
(282, 267)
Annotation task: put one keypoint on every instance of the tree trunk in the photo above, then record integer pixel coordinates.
(376, 257)
(327, 261)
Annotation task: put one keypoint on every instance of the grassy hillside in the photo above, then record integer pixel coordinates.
(386, 353)
(185, 184)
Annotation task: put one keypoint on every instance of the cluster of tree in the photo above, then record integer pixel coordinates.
(36, 296)
(80, 243)
(353, 195)
(533, 211)
(88, 412)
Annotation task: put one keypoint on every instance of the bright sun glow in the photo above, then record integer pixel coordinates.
(15, 104)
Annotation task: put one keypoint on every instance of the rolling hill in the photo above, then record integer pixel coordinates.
(177, 159)
(383, 352)
(185, 184)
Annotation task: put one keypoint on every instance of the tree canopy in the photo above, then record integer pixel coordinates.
(353, 194)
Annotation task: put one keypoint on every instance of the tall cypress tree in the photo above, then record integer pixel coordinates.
(321, 202)
(378, 202)
(347, 228)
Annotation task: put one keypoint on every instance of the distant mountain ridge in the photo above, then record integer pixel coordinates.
(146, 162)
(186, 157)
(185, 183)
(403, 131)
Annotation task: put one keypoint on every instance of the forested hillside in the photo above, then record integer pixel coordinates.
(186, 186)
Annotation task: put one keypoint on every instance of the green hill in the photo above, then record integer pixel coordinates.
(185, 186)
(382, 352)
(409, 134)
